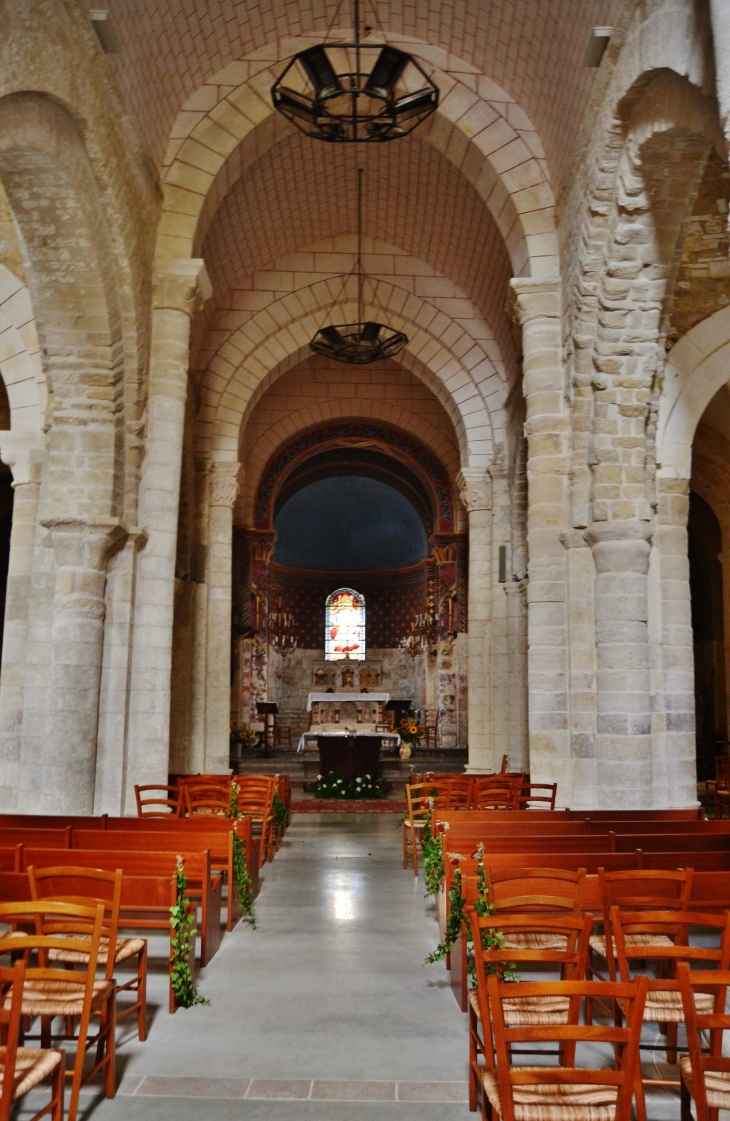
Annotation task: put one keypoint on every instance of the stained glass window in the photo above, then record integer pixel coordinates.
(345, 626)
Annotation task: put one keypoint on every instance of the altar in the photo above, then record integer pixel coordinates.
(348, 730)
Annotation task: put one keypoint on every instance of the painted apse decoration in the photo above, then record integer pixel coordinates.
(416, 614)
(344, 626)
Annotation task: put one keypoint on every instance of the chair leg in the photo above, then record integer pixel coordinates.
(685, 1102)
(58, 1089)
(142, 994)
(110, 1082)
(671, 1043)
(473, 1063)
(639, 1098)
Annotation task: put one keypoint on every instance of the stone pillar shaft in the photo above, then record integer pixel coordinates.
(177, 289)
(60, 776)
(538, 304)
(476, 494)
(223, 491)
(12, 680)
(623, 743)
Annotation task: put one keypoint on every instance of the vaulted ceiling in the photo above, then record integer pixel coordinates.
(533, 49)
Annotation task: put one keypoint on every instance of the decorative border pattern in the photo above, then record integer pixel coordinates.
(389, 440)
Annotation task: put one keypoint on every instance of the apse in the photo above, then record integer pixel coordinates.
(349, 524)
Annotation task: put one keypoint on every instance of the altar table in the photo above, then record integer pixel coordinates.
(350, 755)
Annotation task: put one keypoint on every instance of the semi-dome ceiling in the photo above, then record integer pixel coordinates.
(534, 49)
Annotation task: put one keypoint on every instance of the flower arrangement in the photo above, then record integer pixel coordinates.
(410, 732)
(242, 734)
(334, 785)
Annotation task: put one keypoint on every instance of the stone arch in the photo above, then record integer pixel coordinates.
(696, 367)
(52, 191)
(278, 338)
(230, 121)
(401, 445)
(20, 358)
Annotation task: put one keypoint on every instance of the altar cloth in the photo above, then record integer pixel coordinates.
(338, 698)
(315, 735)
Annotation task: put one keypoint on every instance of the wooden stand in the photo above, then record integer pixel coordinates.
(350, 755)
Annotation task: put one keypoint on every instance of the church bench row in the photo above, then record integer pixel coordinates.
(145, 905)
(215, 836)
(710, 893)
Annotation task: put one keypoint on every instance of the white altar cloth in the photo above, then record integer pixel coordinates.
(339, 697)
(393, 736)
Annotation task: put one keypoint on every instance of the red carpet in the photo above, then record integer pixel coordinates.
(348, 806)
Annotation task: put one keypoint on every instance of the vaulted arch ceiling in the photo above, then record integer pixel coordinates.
(534, 49)
(301, 192)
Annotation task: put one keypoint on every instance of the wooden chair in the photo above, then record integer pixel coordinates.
(207, 799)
(505, 764)
(282, 730)
(536, 891)
(431, 727)
(157, 801)
(516, 1093)
(459, 792)
(664, 1000)
(537, 936)
(720, 788)
(24, 1068)
(705, 1076)
(418, 796)
(88, 887)
(50, 992)
(645, 890)
(535, 795)
(256, 801)
(495, 792)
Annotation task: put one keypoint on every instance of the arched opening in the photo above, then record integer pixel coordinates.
(706, 580)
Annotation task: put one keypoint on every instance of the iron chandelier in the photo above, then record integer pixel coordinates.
(353, 92)
(363, 342)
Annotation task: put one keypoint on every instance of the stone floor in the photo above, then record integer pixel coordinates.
(325, 1012)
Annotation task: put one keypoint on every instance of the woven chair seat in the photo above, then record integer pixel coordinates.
(664, 1007)
(529, 940)
(126, 948)
(417, 825)
(31, 1067)
(717, 1084)
(60, 998)
(529, 1010)
(572, 1101)
(598, 941)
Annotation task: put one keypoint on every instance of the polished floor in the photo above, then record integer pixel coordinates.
(326, 1010)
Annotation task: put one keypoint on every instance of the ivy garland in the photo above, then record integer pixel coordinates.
(492, 939)
(281, 816)
(433, 853)
(457, 916)
(182, 925)
(240, 867)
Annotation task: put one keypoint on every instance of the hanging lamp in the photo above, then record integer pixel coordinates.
(363, 342)
(354, 92)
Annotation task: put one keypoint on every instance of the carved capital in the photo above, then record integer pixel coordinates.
(181, 285)
(475, 489)
(22, 451)
(537, 297)
(82, 543)
(224, 484)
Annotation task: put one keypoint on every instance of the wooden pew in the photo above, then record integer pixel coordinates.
(218, 841)
(204, 885)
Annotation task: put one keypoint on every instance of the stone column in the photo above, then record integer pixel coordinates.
(475, 488)
(720, 16)
(178, 286)
(24, 453)
(621, 552)
(58, 769)
(676, 785)
(224, 486)
(538, 307)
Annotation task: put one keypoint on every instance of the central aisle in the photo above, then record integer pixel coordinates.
(328, 1000)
